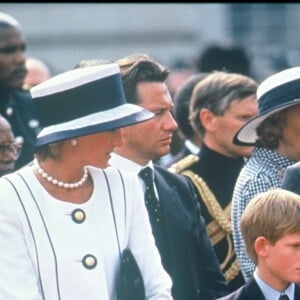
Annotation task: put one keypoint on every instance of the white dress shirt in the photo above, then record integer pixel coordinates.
(120, 162)
(270, 293)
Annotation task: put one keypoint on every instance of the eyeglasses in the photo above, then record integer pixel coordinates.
(16, 148)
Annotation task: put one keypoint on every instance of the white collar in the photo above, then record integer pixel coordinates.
(269, 292)
(121, 162)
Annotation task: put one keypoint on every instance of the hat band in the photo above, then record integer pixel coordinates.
(279, 96)
(78, 102)
(125, 120)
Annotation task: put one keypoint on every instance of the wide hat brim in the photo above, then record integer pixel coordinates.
(121, 116)
(279, 91)
(247, 136)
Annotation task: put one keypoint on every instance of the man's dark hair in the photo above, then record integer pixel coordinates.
(182, 99)
(137, 68)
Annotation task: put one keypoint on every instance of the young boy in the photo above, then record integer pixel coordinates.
(270, 226)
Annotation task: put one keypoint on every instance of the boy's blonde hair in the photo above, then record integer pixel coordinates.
(271, 214)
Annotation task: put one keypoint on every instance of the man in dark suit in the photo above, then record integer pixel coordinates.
(221, 103)
(291, 178)
(270, 225)
(16, 103)
(178, 227)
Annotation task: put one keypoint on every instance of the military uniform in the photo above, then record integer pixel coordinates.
(214, 176)
(17, 107)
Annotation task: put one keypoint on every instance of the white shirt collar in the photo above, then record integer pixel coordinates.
(120, 162)
(269, 292)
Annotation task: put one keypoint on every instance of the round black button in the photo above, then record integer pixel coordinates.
(89, 261)
(78, 215)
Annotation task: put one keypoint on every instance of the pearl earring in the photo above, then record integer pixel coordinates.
(74, 142)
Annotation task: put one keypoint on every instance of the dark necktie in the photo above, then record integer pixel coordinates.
(284, 297)
(151, 201)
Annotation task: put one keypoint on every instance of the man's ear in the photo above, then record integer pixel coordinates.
(207, 118)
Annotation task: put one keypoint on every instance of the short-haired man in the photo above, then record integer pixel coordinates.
(179, 231)
(10, 148)
(15, 102)
(221, 103)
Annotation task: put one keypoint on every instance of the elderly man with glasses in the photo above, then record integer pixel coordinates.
(10, 148)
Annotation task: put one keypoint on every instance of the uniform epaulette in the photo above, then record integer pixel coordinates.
(183, 164)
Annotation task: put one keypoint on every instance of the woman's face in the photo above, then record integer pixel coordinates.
(95, 149)
(289, 144)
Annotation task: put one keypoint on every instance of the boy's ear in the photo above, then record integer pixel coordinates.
(261, 246)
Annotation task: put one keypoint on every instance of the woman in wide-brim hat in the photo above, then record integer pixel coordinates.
(278, 92)
(275, 132)
(65, 219)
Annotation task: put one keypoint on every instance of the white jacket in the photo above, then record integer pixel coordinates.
(43, 246)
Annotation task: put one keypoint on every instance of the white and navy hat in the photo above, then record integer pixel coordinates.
(277, 92)
(83, 101)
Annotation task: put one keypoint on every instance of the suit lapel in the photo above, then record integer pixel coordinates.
(168, 197)
(177, 219)
(297, 292)
(253, 291)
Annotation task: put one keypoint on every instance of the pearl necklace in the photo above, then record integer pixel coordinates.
(60, 183)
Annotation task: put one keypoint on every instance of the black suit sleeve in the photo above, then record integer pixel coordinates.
(291, 179)
(214, 284)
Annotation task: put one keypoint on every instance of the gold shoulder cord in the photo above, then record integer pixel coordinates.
(183, 164)
(221, 224)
